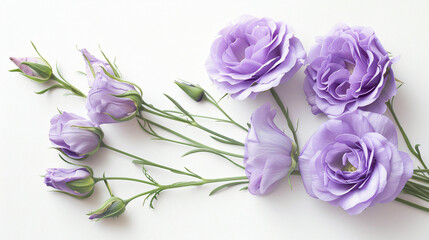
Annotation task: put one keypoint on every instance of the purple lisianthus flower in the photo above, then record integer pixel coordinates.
(267, 152)
(77, 182)
(106, 102)
(253, 56)
(75, 136)
(348, 70)
(353, 161)
(94, 66)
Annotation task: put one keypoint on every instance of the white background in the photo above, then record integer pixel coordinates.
(156, 42)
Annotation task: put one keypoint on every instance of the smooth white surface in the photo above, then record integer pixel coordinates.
(156, 42)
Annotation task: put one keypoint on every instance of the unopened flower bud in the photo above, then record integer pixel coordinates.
(33, 67)
(77, 182)
(113, 207)
(111, 101)
(75, 136)
(195, 92)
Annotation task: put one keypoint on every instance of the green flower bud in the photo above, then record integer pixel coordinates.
(113, 207)
(195, 92)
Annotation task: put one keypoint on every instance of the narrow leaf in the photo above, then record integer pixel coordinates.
(225, 141)
(226, 186)
(49, 88)
(180, 107)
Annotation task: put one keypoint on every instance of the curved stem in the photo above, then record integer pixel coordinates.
(289, 121)
(186, 184)
(147, 162)
(404, 135)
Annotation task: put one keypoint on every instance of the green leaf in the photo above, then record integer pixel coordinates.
(77, 159)
(49, 88)
(218, 101)
(226, 186)
(79, 165)
(124, 119)
(225, 141)
(199, 150)
(111, 65)
(40, 54)
(133, 95)
(120, 80)
(90, 65)
(180, 107)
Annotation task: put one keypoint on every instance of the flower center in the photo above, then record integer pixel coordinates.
(349, 167)
(350, 67)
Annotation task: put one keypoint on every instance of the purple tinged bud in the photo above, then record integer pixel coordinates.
(33, 67)
(113, 207)
(76, 182)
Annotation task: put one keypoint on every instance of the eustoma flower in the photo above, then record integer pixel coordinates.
(253, 56)
(110, 101)
(354, 162)
(348, 70)
(75, 136)
(77, 182)
(267, 154)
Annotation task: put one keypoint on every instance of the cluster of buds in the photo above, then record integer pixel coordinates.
(109, 100)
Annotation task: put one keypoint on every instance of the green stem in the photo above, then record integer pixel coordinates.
(285, 112)
(404, 135)
(233, 141)
(194, 143)
(147, 162)
(186, 184)
(200, 116)
(214, 103)
(412, 204)
(420, 178)
(416, 190)
(125, 179)
(166, 114)
(69, 86)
